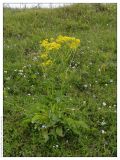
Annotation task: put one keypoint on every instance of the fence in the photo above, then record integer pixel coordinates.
(34, 5)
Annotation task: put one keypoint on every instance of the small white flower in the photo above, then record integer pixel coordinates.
(15, 70)
(104, 104)
(103, 123)
(34, 58)
(5, 71)
(90, 63)
(85, 85)
(20, 70)
(96, 81)
(8, 88)
(84, 102)
(106, 84)
(99, 108)
(73, 67)
(24, 76)
(20, 73)
(109, 106)
(57, 146)
(99, 69)
(29, 94)
(43, 126)
(103, 132)
(111, 80)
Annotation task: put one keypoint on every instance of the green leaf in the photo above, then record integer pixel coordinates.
(25, 122)
(59, 131)
(76, 125)
(33, 76)
(45, 135)
(36, 118)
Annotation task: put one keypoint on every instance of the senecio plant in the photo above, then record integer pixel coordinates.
(57, 118)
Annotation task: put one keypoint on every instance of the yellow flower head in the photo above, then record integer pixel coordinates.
(50, 45)
(47, 63)
(53, 44)
(44, 55)
(74, 44)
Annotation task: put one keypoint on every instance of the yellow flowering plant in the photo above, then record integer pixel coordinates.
(52, 45)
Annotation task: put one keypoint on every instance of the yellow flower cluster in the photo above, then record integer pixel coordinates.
(72, 42)
(50, 45)
(44, 56)
(56, 44)
(47, 63)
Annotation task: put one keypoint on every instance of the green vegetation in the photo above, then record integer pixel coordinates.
(67, 106)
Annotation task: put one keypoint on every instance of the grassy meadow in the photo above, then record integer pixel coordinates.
(60, 101)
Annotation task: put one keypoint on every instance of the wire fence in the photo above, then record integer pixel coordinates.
(34, 5)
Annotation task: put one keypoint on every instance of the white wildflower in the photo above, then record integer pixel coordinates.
(34, 59)
(85, 85)
(103, 123)
(90, 63)
(111, 80)
(43, 126)
(57, 146)
(5, 71)
(84, 102)
(20, 73)
(103, 132)
(104, 104)
(20, 70)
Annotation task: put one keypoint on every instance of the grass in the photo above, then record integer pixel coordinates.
(85, 102)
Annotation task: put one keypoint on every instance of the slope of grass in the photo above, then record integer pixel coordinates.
(90, 90)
